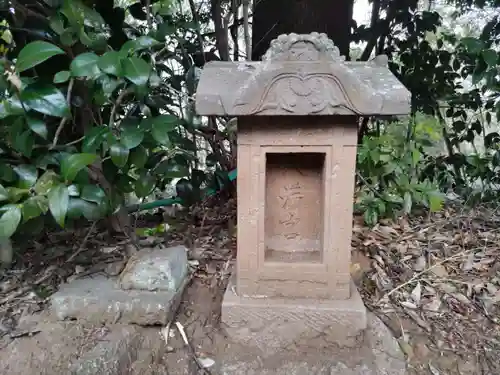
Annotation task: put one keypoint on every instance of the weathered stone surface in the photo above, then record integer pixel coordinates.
(159, 269)
(301, 75)
(99, 300)
(112, 356)
(71, 348)
(376, 354)
(271, 324)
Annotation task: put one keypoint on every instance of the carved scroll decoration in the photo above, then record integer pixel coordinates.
(293, 93)
(304, 75)
(304, 94)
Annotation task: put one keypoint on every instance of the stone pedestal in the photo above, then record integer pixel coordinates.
(372, 352)
(298, 112)
(273, 324)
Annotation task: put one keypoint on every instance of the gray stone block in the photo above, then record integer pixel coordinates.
(99, 300)
(159, 269)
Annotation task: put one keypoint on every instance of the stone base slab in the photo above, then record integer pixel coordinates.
(374, 352)
(99, 300)
(272, 324)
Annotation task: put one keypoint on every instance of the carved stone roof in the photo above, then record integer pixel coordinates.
(301, 75)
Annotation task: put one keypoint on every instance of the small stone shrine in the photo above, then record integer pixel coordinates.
(298, 112)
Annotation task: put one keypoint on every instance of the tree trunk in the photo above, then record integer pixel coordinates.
(274, 17)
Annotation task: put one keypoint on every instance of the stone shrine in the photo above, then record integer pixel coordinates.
(298, 113)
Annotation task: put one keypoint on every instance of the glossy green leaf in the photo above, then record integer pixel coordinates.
(4, 195)
(56, 22)
(46, 182)
(24, 143)
(9, 221)
(82, 177)
(7, 173)
(93, 193)
(62, 76)
(119, 154)
(79, 207)
(490, 56)
(28, 175)
(47, 100)
(37, 126)
(58, 203)
(161, 126)
(131, 136)
(68, 37)
(109, 85)
(143, 42)
(75, 163)
(473, 45)
(36, 53)
(110, 63)
(16, 194)
(94, 139)
(34, 207)
(85, 65)
(138, 156)
(125, 184)
(370, 216)
(136, 70)
(144, 185)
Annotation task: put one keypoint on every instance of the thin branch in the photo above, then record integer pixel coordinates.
(119, 100)
(65, 119)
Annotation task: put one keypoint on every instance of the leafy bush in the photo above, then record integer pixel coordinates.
(389, 170)
(87, 119)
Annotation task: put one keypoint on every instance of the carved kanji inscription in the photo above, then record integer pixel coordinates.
(294, 195)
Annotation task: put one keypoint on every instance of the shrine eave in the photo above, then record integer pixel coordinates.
(288, 88)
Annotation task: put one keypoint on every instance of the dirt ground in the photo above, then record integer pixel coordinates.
(434, 280)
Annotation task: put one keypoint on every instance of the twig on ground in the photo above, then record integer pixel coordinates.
(190, 348)
(84, 242)
(18, 293)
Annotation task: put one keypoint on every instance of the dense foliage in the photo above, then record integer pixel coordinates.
(95, 108)
(97, 104)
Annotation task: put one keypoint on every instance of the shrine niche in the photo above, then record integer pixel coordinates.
(298, 112)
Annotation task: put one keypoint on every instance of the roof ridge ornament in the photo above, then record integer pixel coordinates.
(304, 47)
